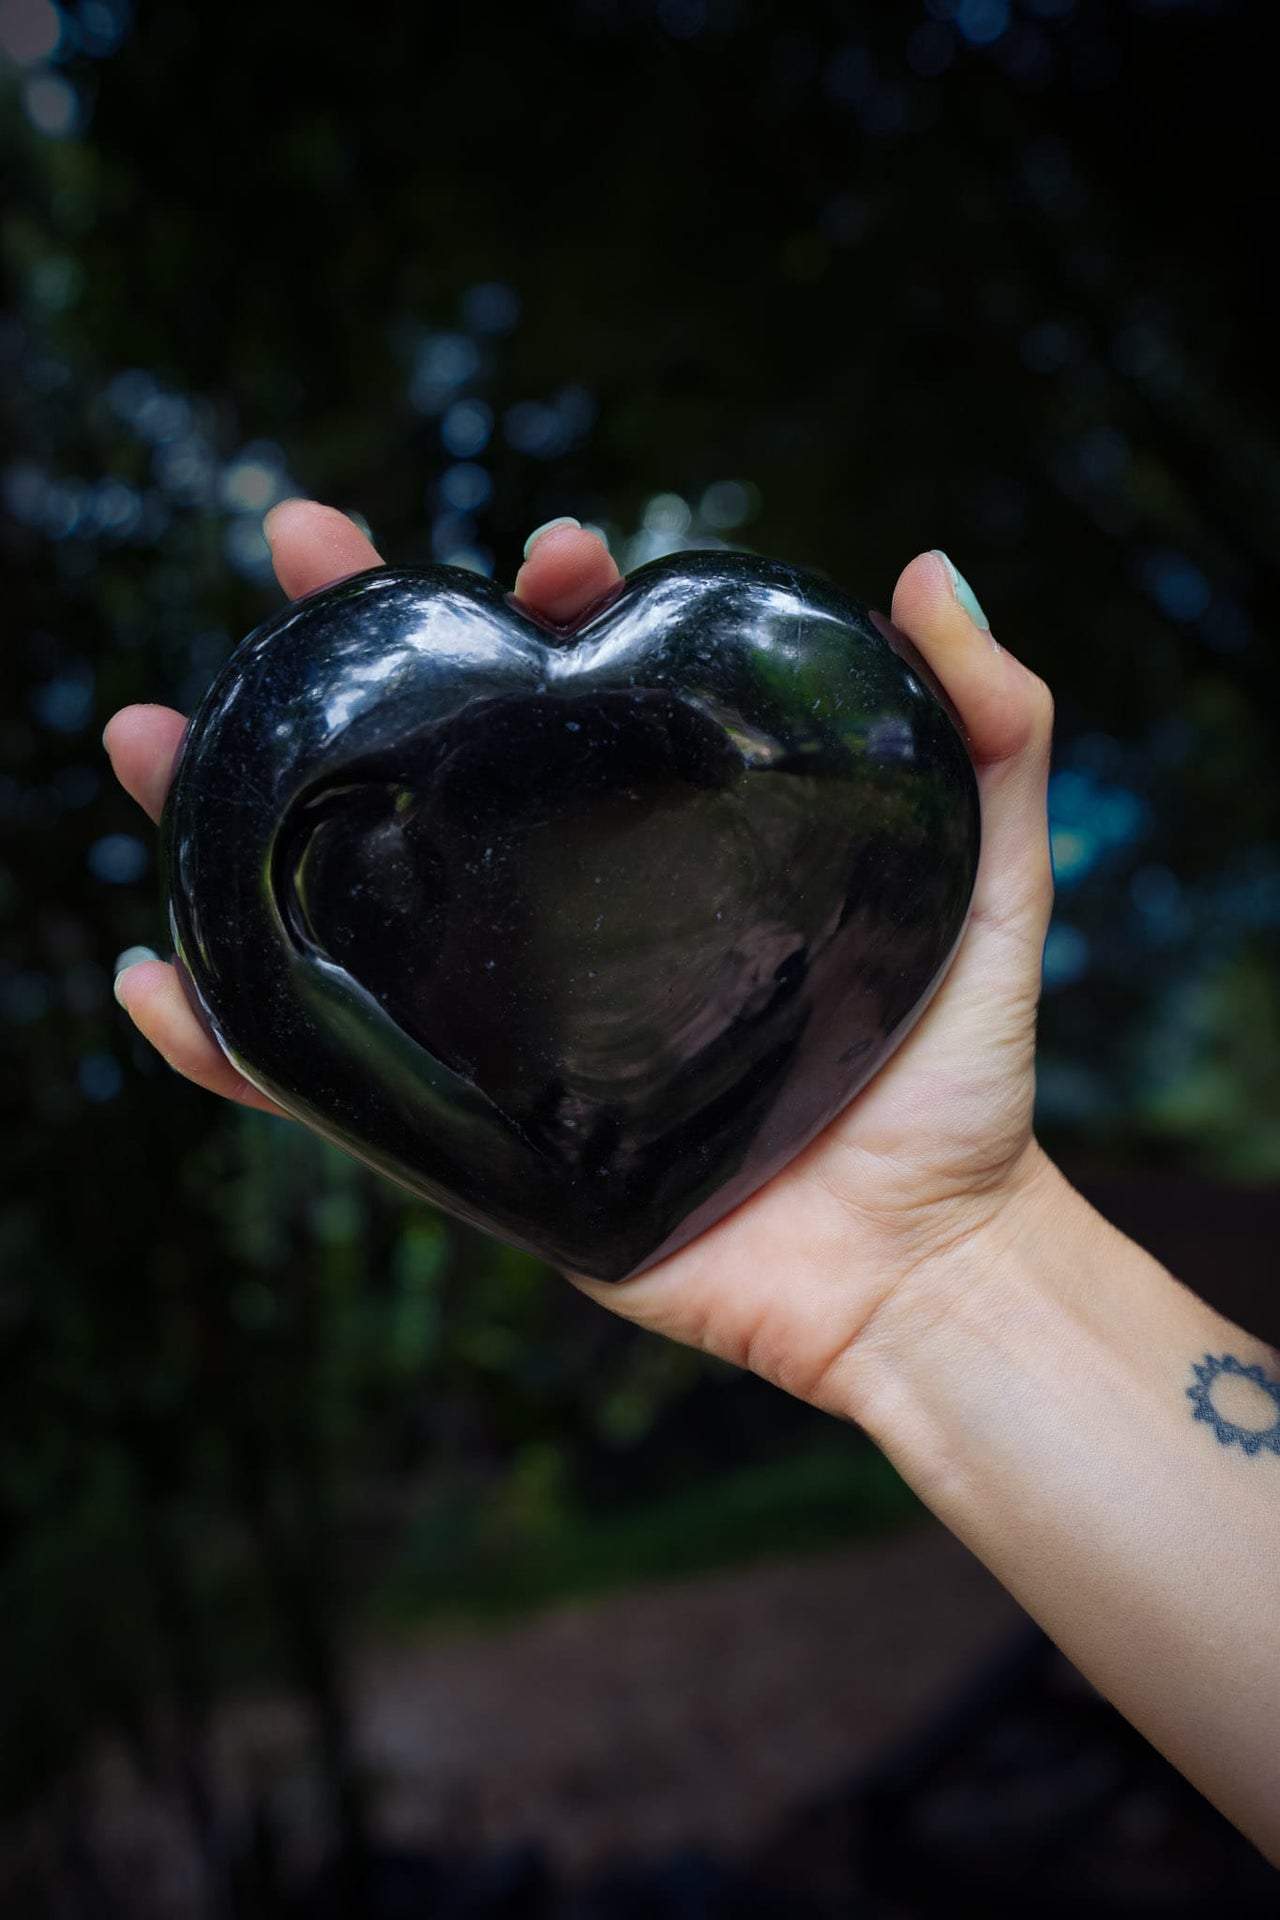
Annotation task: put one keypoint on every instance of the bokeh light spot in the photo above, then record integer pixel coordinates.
(255, 479)
(99, 1077)
(51, 104)
(667, 513)
(102, 25)
(533, 427)
(245, 545)
(466, 428)
(465, 487)
(119, 859)
(65, 703)
(1176, 584)
(115, 508)
(982, 21)
(727, 503)
(187, 469)
(30, 31)
(443, 363)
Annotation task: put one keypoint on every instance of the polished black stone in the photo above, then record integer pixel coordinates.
(583, 935)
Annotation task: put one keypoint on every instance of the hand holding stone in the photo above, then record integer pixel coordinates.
(942, 1134)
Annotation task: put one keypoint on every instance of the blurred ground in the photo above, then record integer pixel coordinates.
(686, 1715)
(690, 1715)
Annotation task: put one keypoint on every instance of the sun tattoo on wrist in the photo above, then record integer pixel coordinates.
(1235, 1398)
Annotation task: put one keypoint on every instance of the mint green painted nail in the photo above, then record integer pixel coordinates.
(132, 957)
(126, 961)
(565, 520)
(965, 595)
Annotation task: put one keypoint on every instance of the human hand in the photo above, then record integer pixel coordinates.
(930, 1152)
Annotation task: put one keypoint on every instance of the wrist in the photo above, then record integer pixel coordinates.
(1041, 1303)
(1010, 1261)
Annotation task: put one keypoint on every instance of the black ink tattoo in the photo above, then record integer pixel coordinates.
(1251, 1439)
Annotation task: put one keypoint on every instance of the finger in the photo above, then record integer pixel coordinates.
(152, 996)
(567, 568)
(1007, 714)
(995, 697)
(143, 743)
(312, 546)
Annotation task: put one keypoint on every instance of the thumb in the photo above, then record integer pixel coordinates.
(1006, 713)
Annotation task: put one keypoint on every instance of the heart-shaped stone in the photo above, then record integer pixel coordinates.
(583, 935)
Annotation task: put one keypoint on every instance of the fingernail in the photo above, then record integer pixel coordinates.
(964, 593)
(267, 518)
(565, 520)
(125, 962)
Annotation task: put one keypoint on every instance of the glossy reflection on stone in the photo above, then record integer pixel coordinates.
(581, 935)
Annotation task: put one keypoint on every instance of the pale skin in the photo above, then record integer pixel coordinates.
(924, 1270)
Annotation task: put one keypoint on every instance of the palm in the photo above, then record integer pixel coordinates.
(785, 1283)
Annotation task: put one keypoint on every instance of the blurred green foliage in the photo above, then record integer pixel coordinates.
(838, 281)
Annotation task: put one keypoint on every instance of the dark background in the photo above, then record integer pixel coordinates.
(832, 281)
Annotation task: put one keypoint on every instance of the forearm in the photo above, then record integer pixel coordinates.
(1035, 1394)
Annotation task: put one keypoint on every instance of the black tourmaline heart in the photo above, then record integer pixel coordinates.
(583, 935)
